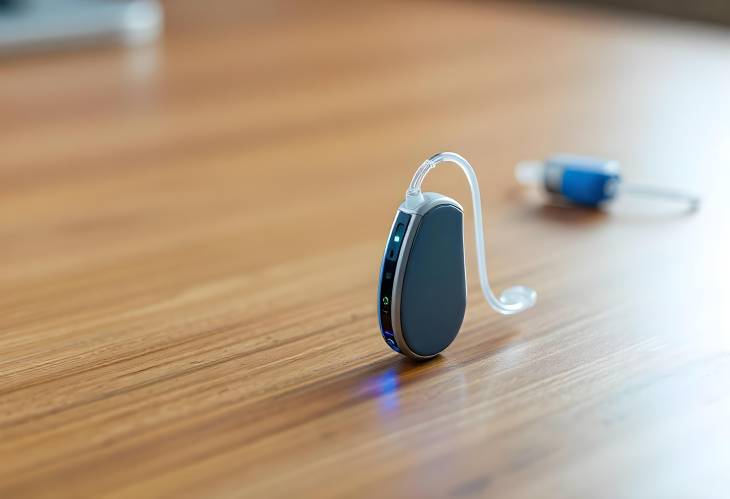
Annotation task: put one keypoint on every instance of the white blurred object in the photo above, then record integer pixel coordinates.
(39, 25)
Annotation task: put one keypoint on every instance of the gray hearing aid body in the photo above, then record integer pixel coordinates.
(423, 278)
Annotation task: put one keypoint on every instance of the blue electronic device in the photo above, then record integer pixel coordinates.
(589, 181)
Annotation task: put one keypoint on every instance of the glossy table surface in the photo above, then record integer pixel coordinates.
(191, 235)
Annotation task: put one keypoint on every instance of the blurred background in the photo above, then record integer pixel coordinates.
(715, 11)
(39, 25)
(93, 87)
(179, 313)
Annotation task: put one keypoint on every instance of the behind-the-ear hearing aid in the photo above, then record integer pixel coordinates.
(422, 292)
(590, 182)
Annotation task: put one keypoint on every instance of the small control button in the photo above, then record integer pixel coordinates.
(386, 300)
(399, 230)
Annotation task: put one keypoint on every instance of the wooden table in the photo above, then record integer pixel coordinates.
(191, 236)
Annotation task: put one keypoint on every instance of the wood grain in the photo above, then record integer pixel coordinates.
(191, 235)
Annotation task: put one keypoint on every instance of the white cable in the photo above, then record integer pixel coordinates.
(692, 201)
(513, 300)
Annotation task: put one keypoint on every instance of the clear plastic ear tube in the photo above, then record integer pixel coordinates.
(513, 300)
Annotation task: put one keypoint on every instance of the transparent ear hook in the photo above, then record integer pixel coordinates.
(513, 300)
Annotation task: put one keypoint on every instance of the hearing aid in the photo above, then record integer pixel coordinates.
(422, 290)
(590, 181)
